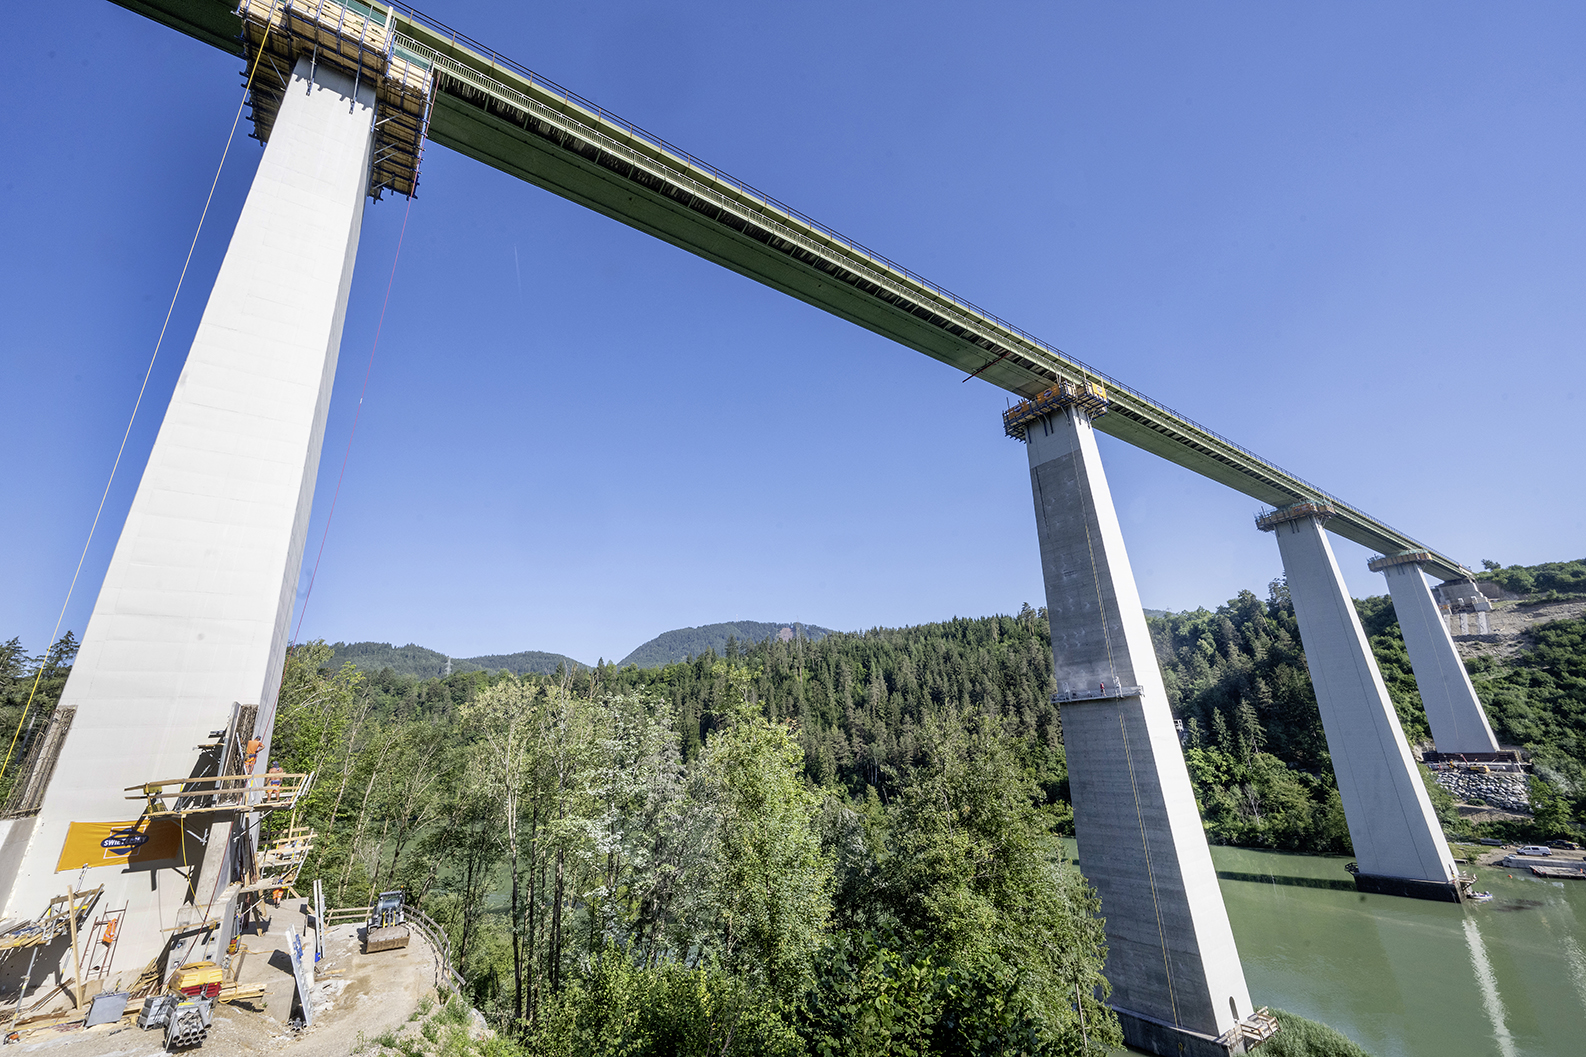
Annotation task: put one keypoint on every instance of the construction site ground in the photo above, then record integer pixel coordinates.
(357, 998)
(1509, 624)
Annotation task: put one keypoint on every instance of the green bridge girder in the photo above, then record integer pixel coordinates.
(495, 111)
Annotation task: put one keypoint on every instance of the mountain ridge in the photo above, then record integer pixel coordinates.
(669, 647)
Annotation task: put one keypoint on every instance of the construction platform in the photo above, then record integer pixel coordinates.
(357, 40)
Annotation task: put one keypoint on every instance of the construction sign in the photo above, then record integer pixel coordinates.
(120, 843)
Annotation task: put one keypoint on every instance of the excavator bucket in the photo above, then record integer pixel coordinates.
(389, 938)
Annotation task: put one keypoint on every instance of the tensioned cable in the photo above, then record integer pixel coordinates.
(147, 374)
(368, 369)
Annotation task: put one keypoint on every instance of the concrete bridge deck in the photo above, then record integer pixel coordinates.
(500, 113)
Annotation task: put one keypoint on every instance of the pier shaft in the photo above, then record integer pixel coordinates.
(1399, 845)
(1177, 983)
(1453, 711)
(193, 614)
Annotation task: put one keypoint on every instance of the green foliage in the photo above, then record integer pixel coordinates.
(674, 647)
(415, 660)
(1298, 1037)
(1550, 577)
(1255, 747)
(617, 1009)
(771, 889)
(1538, 700)
(30, 688)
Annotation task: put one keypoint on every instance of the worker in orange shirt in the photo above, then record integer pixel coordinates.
(251, 757)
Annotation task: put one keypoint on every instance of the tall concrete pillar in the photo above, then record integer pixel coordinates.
(1399, 845)
(1453, 711)
(193, 614)
(1177, 983)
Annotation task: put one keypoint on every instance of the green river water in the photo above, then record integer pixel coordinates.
(1410, 978)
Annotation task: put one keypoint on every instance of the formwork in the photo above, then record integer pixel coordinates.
(357, 40)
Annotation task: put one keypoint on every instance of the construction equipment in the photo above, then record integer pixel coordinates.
(188, 1023)
(387, 929)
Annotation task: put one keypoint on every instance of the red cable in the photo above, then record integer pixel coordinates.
(356, 414)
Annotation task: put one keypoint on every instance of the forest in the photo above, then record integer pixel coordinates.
(848, 845)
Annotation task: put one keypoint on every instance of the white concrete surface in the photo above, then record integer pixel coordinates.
(1391, 822)
(1452, 709)
(1171, 953)
(194, 610)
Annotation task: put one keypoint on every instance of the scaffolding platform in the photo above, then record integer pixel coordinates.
(357, 40)
(1090, 396)
(55, 921)
(1269, 520)
(221, 795)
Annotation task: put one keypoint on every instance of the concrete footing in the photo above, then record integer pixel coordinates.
(193, 616)
(1171, 958)
(1395, 833)
(1437, 891)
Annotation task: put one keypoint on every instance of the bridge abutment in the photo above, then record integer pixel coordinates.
(1399, 845)
(194, 610)
(1177, 982)
(1458, 722)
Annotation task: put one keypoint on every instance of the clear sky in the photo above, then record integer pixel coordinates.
(1348, 236)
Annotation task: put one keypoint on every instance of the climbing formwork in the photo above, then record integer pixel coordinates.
(355, 39)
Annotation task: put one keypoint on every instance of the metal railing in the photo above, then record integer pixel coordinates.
(774, 206)
(446, 974)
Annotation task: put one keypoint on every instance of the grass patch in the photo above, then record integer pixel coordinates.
(1299, 1037)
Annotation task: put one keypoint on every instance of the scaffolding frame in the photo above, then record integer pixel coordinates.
(355, 39)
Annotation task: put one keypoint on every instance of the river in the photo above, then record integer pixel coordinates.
(1410, 978)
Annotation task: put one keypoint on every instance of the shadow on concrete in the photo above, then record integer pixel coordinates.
(1295, 882)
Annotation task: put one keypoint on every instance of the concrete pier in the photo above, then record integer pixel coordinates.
(1458, 722)
(193, 614)
(1399, 846)
(1177, 983)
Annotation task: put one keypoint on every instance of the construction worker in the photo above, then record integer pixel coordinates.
(272, 781)
(251, 757)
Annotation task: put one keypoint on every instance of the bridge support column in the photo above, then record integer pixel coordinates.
(1177, 983)
(1399, 845)
(1453, 711)
(194, 611)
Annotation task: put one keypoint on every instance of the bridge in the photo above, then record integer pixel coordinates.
(181, 662)
(496, 111)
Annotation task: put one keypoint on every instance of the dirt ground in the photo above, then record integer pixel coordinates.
(356, 998)
(1508, 624)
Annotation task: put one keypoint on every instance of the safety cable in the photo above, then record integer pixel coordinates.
(1150, 872)
(248, 87)
(368, 369)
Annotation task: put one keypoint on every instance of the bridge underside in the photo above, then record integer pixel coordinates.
(493, 110)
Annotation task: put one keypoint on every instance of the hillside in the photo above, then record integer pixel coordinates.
(673, 646)
(423, 663)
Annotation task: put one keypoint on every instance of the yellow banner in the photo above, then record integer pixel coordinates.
(120, 843)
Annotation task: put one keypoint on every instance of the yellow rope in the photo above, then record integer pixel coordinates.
(141, 389)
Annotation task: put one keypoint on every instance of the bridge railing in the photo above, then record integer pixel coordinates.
(549, 87)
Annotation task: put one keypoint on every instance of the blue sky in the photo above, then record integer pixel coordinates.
(1346, 236)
